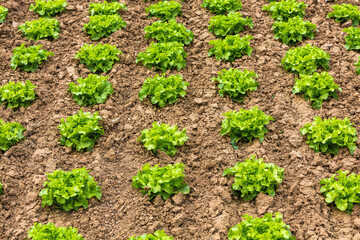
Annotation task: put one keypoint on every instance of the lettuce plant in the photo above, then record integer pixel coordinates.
(222, 6)
(357, 64)
(158, 235)
(163, 90)
(329, 135)
(41, 28)
(231, 47)
(316, 88)
(3, 12)
(169, 32)
(163, 56)
(19, 94)
(254, 176)
(165, 10)
(10, 134)
(236, 83)
(294, 30)
(69, 190)
(352, 39)
(163, 137)
(106, 8)
(50, 232)
(94, 89)
(48, 8)
(345, 12)
(268, 227)
(245, 125)
(1, 189)
(231, 24)
(343, 190)
(285, 9)
(81, 130)
(103, 25)
(305, 60)
(100, 57)
(164, 181)
(29, 58)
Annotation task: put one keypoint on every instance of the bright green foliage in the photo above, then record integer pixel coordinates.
(329, 135)
(357, 64)
(163, 56)
(305, 60)
(344, 191)
(352, 39)
(164, 181)
(233, 23)
(254, 176)
(106, 8)
(222, 6)
(294, 30)
(100, 57)
(19, 94)
(48, 8)
(103, 25)
(50, 232)
(3, 12)
(69, 190)
(169, 32)
(245, 125)
(266, 228)
(1, 188)
(345, 12)
(41, 28)
(10, 133)
(231, 47)
(81, 130)
(236, 83)
(158, 235)
(285, 9)
(316, 88)
(163, 90)
(91, 90)
(163, 137)
(166, 10)
(29, 58)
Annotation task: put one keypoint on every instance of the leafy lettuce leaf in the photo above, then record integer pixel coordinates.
(222, 6)
(163, 137)
(10, 134)
(236, 83)
(316, 88)
(41, 28)
(231, 24)
(266, 228)
(29, 58)
(48, 8)
(100, 57)
(163, 90)
(19, 94)
(69, 190)
(3, 12)
(329, 135)
(91, 90)
(254, 176)
(345, 12)
(50, 232)
(285, 9)
(165, 10)
(245, 125)
(1, 189)
(164, 181)
(343, 190)
(81, 130)
(106, 8)
(352, 39)
(169, 32)
(357, 64)
(158, 235)
(103, 25)
(231, 47)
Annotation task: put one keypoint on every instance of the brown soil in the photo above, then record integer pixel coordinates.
(211, 208)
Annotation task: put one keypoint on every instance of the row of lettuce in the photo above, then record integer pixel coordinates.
(252, 176)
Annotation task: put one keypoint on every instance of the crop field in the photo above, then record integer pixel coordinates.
(153, 120)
